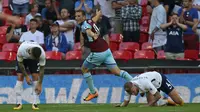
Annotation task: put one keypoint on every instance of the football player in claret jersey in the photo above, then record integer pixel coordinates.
(151, 83)
(100, 52)
(30, 57)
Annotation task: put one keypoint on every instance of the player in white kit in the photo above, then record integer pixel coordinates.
(151, 83)
(30, 58)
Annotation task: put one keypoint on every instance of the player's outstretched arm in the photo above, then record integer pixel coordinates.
(10, 18)
(124, 104)
(157, 96)
(38, 88)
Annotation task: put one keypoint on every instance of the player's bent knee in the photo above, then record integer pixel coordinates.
(115, 71)
(20, 77)
(84, 70)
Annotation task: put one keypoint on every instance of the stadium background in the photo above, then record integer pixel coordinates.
(63, 82)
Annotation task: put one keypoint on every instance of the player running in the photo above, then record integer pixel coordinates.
(151, 83)
(100, 53)
(30, 56)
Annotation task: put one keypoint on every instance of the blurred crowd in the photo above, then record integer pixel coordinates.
(167, 24)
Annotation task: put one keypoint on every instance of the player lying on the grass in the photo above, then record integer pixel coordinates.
(31, 56)
(151, 83)
(100, 52)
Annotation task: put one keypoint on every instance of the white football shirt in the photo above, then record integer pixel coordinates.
(146, 82)
(33, 37)
(22, 52)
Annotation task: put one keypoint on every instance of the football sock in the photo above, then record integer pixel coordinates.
(125, 75)
(19, 90)
(35, 96)
(89, 80)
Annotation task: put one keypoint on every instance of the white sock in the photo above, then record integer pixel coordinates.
(35, 96)
(19, 90)
(162, 102)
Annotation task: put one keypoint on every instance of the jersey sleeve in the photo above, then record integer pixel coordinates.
(19, 56)
(150, 87)
(127, 96)
(86, 26)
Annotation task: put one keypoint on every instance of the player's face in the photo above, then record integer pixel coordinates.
(134, 91)
(174, 18)
(79, 17)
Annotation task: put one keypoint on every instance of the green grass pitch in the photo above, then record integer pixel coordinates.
(101, 108)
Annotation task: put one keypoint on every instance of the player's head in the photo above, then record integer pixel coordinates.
(130, 88)
(36, 52)
(80, 16)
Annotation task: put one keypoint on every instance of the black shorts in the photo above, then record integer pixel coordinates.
(30, 65)
(166, 85)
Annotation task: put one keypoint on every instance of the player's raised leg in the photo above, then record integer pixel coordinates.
(19, 90)
(112, 66)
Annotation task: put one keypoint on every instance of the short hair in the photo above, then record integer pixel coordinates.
(81, 11)
(32, 6)
(36, 52)
(34, 20)
(128, 86)
(38, 17)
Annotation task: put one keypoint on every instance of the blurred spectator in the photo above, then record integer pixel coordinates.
(157, 35)
(174, 47)
(106, 7)
(131, 14)
(104, 26)
(14, 33)
(169, 6)
(1, 7)
(32, 14)
(42, 26)
(20, 7)
(69, 5)
(41, 4)
(196, 4)
(188, 15)
(117, 5)
(68, 27)
(85, 5)
(49, 13)
(33, 35)
(56, 41)
(107, 10)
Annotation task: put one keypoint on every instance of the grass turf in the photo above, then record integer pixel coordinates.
(101, 108)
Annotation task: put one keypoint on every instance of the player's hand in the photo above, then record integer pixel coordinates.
(38, 88)
(118, 105)
(28, 80)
